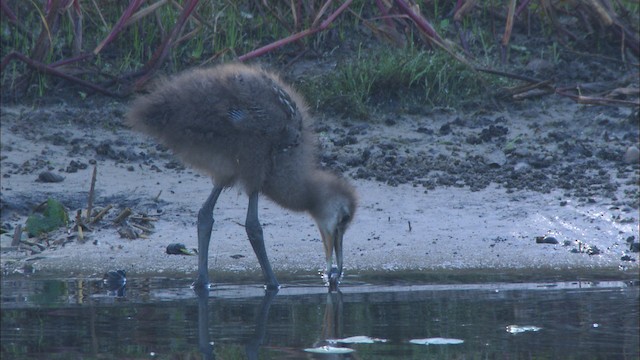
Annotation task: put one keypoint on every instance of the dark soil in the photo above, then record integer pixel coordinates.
(579, 149)
(538, 145)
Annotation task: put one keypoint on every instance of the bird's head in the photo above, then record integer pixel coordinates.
(333, 211)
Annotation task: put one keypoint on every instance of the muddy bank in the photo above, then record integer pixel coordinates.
(440, 190)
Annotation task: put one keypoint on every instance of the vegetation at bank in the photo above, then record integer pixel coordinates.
(357, 54)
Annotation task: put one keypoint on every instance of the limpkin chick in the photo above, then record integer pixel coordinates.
(244, 126)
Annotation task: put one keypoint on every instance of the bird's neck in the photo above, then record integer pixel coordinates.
(300, 191)
(327, 193)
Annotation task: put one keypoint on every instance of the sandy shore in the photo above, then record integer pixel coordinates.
(404, 228)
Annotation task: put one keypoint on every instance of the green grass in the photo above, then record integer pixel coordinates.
(375, 75)
(228, 29)
(394, 79)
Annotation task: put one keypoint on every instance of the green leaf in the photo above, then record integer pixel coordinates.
(53, 217)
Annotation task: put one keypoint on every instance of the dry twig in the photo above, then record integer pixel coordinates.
(91, 193)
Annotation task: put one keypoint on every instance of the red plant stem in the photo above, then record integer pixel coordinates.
(420, 21)
(463, 38)
(522, 7)
(6, 11)
(385, 13)
(13, 19)
(51, 20)
(274, 45)
(44, 68)
(71, 60)
(133, 6)
(508, 27)
(627, 37)
(163, 50)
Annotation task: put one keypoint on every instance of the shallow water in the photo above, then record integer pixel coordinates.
(164, 319)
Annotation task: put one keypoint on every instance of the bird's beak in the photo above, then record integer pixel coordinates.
(332, 240)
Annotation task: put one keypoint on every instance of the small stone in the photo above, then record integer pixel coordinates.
(445, 129)
(495, 159)
(632, 155)
(627, 258)
(593, 250)
(128, 232)
(49, 177)
(546, 240)
(540, 66)
(521, 167)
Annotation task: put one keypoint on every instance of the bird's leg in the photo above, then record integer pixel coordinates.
(332, 243)
(254, 231)
(205, 224)
(335, 273)
(338, 250)
(327, 241)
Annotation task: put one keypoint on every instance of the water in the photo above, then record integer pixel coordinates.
(164, 319)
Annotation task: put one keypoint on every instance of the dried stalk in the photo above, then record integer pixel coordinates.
(78, 226)
(101, 214)
(595, 100)
(507, 31)
(509, 75)
(91, 192)
(17, 235)
(143, 228)
(122, 216)
(543, 86)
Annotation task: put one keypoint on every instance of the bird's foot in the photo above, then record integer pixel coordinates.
(333, 278)
(272, 286)
(201, 284)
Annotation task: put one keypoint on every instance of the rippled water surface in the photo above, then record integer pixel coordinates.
(165, 319)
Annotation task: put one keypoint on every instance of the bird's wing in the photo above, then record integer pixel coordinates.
(266, 109)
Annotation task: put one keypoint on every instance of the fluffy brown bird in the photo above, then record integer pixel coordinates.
(244, 126)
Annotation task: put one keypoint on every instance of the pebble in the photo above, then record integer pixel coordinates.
(632, 155)
(49, 177)
(540, 67)
(521, 167)
(627, 258)
(496, 159)
(593, 250)
(546, 240)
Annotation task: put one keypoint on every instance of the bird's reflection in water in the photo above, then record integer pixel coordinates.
(261, 324)
(115, 281)
(252, 348)
(332, 329)
(205, 345)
